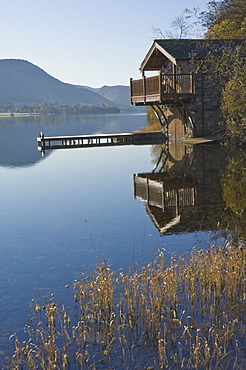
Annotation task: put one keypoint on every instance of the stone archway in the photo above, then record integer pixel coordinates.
(176, 122)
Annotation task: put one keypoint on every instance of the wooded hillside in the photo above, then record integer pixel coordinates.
(227, 20)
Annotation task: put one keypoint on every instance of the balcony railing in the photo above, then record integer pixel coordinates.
(162, 88)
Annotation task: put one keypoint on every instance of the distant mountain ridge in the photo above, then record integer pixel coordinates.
(118, 94)
(25, 83)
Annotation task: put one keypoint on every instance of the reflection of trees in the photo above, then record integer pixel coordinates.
(234, 189)
(234, 184)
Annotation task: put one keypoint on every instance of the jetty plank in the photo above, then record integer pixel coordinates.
(83, 141)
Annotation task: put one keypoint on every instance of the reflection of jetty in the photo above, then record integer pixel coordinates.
(85, 141)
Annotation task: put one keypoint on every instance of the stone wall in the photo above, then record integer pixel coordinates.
(205, 110)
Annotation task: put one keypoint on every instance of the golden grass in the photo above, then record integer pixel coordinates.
(153, 126)
(190, 314)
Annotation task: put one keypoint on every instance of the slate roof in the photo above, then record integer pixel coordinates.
(183, 49)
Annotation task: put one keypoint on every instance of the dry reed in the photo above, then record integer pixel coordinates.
(190, 314)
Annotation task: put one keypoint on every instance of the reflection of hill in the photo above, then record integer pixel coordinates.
(186, 194)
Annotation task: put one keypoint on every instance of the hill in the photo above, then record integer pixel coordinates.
(118, 94)
(25, 83)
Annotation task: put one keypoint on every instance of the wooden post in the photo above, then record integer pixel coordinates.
(147, 190)
(163, 197)
(193, 86)
(175, 83)
(203, 111)
(160, 87)
(144, 89)
(131, 91)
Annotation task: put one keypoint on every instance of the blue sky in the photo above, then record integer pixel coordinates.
(92, 42)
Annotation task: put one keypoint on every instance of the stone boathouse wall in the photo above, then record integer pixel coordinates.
(205, 110)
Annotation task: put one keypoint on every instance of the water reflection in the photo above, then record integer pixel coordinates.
(18, 145)
(183, 193)
(234, 190)
(45, 241)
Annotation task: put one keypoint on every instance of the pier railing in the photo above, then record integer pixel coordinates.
(85, 141)
(162, 88)
(164, 194)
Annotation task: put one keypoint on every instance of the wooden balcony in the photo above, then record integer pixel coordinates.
(162, 89)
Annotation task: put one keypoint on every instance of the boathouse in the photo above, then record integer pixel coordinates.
(184, 94)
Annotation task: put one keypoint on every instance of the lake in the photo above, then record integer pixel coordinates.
(63, 213)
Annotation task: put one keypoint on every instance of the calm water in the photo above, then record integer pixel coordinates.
(62, 214)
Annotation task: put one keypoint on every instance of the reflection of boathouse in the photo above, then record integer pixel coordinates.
(165, 197)
(183, 192)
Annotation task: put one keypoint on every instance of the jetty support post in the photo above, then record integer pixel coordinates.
(41, 143)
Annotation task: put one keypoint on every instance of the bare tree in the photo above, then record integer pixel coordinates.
(180, 24)
(189, 24)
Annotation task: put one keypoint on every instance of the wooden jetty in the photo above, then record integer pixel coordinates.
(86, 141)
